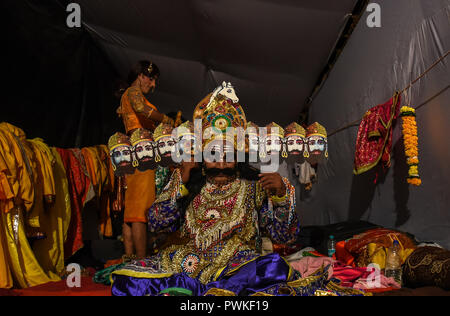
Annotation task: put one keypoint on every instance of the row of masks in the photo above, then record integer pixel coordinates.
(167, 146)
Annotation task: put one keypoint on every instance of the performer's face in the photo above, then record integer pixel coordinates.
(219, 177)
(147, 84)
(144, 150)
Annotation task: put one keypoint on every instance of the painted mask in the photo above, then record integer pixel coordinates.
(120, 151)
(295, 139)
(316, 150)
(165, 145)
(142, 141)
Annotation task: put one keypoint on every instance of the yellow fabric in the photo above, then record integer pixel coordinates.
(45, 161)
(139, 196)
(184, 191)
(55, 221)
(20, 181)
(378, 254)
(108, 195)
(23, 264)
(6, 280)
(6, 192)
(99, 174)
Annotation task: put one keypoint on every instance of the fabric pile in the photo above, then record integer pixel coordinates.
(42, 194)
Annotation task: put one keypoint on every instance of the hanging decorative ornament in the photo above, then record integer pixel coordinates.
(411, 140)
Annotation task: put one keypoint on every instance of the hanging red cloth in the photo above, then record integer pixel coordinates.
(79, 185)
(374, 140)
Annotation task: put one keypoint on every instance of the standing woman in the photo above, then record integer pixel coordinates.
(137, 112)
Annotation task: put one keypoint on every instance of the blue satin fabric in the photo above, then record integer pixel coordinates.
(254, 276)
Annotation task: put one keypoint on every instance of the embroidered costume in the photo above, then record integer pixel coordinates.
(223, 228)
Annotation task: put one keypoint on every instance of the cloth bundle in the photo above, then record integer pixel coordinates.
(42, 192)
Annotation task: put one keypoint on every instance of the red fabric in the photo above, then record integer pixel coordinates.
(343, 255)
(374, 139)
(348, 275)
(380, 236)
(79, 184)
(60, 288)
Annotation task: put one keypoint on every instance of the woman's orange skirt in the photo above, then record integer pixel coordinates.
(139, 196)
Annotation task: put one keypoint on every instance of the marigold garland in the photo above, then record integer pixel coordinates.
(411, 141)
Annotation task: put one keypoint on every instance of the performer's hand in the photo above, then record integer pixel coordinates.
(186, 168)
(273, 183)
(168, 120)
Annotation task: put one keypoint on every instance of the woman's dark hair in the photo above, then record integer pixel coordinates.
(141, 67)
(144, 67)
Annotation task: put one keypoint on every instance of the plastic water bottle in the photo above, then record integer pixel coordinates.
(393, 263)
(331, 246)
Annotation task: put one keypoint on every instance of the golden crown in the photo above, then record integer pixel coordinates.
(140, 134)
(218, 114)
(163, 129)
(184, 129)
(294, 129)
(118, 139)
(252, 128)
(316, 129)
(275, 129)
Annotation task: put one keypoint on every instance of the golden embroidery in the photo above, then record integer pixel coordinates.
(241, 213)
(137, 99)
(219, 292)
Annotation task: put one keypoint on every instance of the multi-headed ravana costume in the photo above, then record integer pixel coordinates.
(221, 229)
(221, 115)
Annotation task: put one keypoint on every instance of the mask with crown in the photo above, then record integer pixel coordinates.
(144, 156)
(316, 150)
(120, 151)
(165, 144)
(295, 141)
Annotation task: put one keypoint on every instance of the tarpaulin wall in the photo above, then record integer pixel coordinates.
(58, 85)
(375, 63)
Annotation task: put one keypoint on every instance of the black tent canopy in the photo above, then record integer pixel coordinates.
(272, 51)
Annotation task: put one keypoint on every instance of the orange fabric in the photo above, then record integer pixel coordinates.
(96, 164)
(131, 119)
(139, 196)
(343, 255)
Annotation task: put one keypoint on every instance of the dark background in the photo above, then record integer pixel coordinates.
(58, 84)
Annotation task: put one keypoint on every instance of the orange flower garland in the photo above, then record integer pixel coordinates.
(411, 139)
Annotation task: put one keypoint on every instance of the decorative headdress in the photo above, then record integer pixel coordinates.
(316, 129)
(141, 134)
(163, 129)
(294, 132)
(187, 128)
(275, 129)
(138, 136)
(117, 140)
(121, 160)
(294, 129)
(252, 128)
(218, 113)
